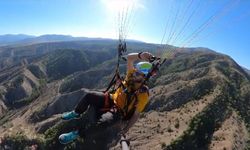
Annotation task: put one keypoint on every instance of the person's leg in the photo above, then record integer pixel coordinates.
(94, 98)
(106, 120)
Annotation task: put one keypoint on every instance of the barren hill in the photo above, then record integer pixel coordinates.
(199, 100)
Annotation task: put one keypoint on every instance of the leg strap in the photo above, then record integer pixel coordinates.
(107, 104)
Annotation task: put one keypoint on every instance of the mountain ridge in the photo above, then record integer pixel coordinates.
(247, 70)
(8, 39)
(23, 39)
(193, 99)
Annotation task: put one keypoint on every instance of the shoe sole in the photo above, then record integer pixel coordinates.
(69, 119)
(66, 142)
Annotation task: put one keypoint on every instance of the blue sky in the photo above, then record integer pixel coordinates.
(227, 31)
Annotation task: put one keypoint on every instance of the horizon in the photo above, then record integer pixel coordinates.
(113, 39)
(227, 31)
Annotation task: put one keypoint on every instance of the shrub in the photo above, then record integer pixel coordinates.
(163, 145)
(169, 129)
(177, 125)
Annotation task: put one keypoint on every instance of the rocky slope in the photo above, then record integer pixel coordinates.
(248, 71)
(199, 100)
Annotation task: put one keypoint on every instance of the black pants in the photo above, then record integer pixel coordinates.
(104, 120)
(94, 99)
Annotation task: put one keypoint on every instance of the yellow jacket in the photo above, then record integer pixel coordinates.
(120, 96)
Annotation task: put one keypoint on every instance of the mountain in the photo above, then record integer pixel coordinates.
(24, 40)
(12, 38)
(49, 38)
(247, 70)
(198, 100)
(13, 55)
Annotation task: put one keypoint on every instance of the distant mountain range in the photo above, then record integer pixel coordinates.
(22, 39)
(13, 38)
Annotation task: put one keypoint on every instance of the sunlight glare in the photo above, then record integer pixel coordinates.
(116, 6)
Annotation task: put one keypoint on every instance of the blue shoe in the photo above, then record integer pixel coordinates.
(70, 115)
(68, 137)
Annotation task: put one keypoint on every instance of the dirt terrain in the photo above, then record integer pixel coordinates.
(199, 100)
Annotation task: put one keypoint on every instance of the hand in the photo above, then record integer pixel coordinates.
(146, 56)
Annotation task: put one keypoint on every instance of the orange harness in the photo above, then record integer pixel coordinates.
(107, 105)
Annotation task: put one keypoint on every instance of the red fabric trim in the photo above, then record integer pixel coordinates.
(106, 102)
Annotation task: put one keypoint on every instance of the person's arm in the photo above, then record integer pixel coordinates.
(131, 122)
(132, 57)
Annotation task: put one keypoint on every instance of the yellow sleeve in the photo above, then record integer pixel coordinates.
(129, 72)
(142, 101)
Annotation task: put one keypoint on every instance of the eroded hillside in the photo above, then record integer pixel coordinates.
(199, 100)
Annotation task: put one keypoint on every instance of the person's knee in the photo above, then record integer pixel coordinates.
(88, 96)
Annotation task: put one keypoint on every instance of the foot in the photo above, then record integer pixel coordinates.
(68, 137)
(70, 115)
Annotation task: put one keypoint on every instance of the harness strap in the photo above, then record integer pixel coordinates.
(107, 105)
(131, 98)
